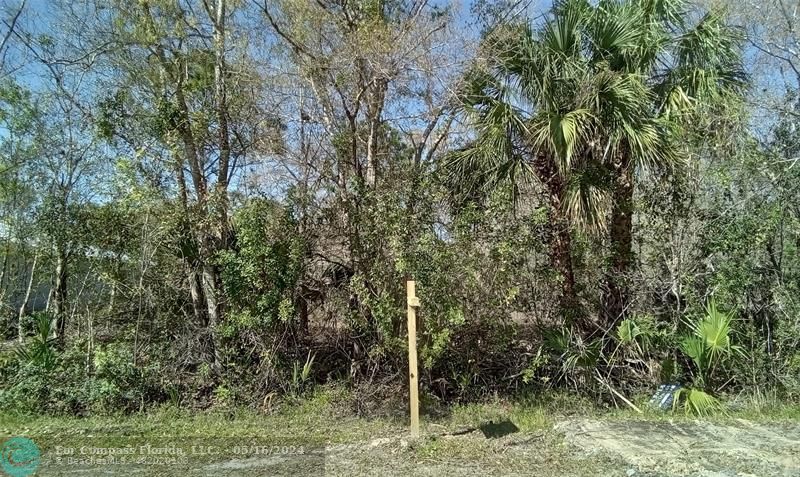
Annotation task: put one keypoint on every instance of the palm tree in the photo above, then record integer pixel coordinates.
(686, 67)
(578, 105)
(528, 123)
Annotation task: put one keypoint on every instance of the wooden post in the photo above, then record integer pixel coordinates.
(413, 379)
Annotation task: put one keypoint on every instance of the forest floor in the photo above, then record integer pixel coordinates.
(488, 439)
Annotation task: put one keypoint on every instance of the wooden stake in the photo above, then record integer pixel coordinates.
(413, 303)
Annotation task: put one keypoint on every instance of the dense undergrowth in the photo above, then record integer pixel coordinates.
(588, 200)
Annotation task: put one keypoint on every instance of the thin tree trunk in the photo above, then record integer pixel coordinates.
(49, 304)
(193, 276)
(223, 133)
(3, 278)
(90, 341)
(25, 300)
(616, 294)
(220, 70)
(198, 298)
(4, 271)
(112, 300)
(60, 297)
(140, 290)
(561, 258)
(214, 310)
(185, 130)
(374, 112)
(218, 238)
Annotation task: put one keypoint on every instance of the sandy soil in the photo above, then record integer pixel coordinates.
(739, 448)
(579, 447)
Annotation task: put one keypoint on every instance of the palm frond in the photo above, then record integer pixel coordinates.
(710, 341)
(615, 33)
(562, 33)
(695, 402)
(715, 330)
(562, 133)
(708, 63)
(694, 348)
(490, 159)
(588, 196)
(669, 12)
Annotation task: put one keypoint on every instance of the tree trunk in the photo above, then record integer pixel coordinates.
(24, 306)
(374, 112)
(198, 299)
(190, 259)
(3, 277)
(561, 259)
(559, 236)
(616, 294)
(4, 271)
(48, 306)
(211, 289)
(112, 300)
(60, 297)
(212, 282)
(220, 93)
(561, 255)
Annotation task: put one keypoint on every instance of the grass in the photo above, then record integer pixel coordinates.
(319, 421)
(322, 419)
(451, 438)
(314, 420)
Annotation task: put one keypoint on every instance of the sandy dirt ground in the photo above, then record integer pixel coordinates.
(739, 448)
(578, 447)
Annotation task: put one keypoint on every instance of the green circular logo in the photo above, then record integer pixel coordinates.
(20, 457)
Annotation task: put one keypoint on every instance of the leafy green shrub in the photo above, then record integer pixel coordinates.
(710, 347)
(70, 385)
(119, 385)
(223, 396)
(40, 349)
(260, 273)
(26, 391)
(55, 389)
(8, 365)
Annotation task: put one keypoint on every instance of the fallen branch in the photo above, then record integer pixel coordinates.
(616, 393)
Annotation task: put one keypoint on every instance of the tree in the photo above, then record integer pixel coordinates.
(69, 162)
(582, 102)
(169, 67)
(686, 70)
(20, 143)
(12, 15)
(373, 112)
